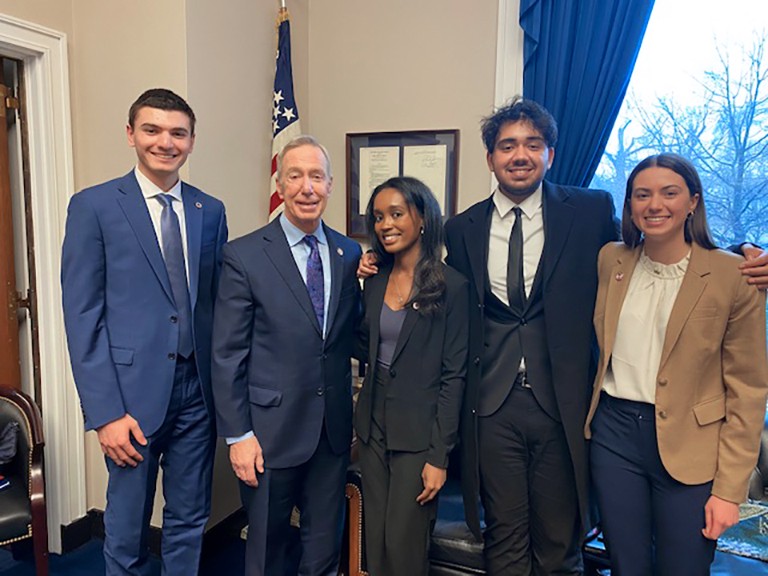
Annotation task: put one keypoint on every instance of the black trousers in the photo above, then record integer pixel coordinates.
(652, 523)
(528, 491)
(397, 528)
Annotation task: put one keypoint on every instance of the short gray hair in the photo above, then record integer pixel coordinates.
(299, 141)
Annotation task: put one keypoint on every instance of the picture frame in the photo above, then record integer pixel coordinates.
(373, 157)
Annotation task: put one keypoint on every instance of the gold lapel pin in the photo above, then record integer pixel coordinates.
(198, 205)
(339, 251)
(620, 276)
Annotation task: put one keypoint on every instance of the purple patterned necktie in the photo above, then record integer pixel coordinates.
(315, 282)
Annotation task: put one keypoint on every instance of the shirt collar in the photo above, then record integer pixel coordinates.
(529, 206)
(294, 235)
(149, 189)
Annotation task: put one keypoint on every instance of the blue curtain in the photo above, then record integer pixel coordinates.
(579, 56)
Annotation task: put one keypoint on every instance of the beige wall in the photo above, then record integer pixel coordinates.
(116, 52)
(358, 67)
(402, 65)
(56, 14)
(231, 66)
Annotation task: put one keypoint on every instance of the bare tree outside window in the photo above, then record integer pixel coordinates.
(722, 127)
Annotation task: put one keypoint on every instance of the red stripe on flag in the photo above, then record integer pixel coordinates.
(274, 165)
(274, 201)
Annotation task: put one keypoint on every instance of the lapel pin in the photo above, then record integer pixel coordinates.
(339, 251)
(198, 205)
(620, 276)
(415, 305)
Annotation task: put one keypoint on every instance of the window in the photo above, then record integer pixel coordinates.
(700, 89)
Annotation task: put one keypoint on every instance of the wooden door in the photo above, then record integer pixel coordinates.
(10, 370)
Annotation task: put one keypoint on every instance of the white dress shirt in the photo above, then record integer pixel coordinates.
(502, 220)
(151, 195)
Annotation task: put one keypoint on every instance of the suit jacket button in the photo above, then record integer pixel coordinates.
(173, 319)
(663, 382)
(523, 321)
(320, 391)
(662, 415)
(171, 356)
(392, 373)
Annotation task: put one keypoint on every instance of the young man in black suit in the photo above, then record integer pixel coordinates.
(531, 246)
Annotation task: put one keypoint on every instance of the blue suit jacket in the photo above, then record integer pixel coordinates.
(119, 312)
(273, 372)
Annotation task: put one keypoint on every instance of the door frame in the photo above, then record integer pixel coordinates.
(46, 75)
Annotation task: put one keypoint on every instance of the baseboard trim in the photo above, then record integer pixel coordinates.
(90, 526)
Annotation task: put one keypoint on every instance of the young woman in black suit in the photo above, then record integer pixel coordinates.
(414, 333)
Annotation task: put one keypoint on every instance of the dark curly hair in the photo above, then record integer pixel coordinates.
(517, 110)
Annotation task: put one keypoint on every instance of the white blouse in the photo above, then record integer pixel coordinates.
(641, 329)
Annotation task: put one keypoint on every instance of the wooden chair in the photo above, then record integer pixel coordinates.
(22, 504)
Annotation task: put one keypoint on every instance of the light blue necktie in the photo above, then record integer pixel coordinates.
(315, 282)
(177, 272)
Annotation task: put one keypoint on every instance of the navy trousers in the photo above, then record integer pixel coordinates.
(317, 489)
(184, 447)
(652, 523)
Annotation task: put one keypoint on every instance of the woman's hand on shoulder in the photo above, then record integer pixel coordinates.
(719, 515)
(433, 479)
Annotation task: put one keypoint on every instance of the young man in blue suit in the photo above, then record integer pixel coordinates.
(283, 334)
(140, 268)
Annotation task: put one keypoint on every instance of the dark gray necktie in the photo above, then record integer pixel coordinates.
(177, 272)
(515, 280)
(315, 281)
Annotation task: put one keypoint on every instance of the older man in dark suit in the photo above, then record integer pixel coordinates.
(283, 336)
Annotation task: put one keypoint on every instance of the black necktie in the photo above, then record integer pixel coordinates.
(173, 253)
(515, 280)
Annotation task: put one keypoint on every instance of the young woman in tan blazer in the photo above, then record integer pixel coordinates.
(679, 399)
(414, 335)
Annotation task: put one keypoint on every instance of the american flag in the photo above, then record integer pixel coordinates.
(285, 114)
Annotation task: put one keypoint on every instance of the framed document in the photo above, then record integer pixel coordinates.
(432, 156)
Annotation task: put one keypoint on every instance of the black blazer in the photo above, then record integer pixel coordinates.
(273, 372)
(427, 371)
(577, 223)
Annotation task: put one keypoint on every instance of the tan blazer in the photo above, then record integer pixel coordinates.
(713, 375)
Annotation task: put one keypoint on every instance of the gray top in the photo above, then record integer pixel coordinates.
(390, 324)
